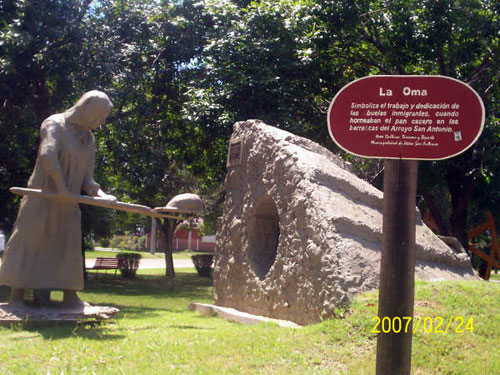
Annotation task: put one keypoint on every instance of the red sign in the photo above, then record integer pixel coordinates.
(407, 117)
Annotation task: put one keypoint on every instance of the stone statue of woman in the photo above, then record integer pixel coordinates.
(44, 251)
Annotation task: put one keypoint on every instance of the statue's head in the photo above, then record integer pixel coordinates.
(90, 110)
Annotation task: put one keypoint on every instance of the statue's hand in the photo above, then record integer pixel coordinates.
(103, 195)
(63, 192)
(62, 189)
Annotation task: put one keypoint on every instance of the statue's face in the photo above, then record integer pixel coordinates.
(91, 110)
(98, 119)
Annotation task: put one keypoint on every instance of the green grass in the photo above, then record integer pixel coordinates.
(145, 255)
(184, 254)
(155, 333)
(494, 276)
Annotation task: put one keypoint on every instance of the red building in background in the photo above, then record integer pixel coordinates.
(181, 241)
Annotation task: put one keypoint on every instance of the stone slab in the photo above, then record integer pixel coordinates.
(234, 315)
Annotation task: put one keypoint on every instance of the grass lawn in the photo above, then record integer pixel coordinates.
(145, 255)
(494, 276)
(155, 333)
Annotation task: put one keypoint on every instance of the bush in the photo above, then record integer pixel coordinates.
(128, 242)
(129, 263)
(88, 243)
(203, 264)
(104, 242)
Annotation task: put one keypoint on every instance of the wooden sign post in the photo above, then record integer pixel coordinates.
(397, 268)
(402, 119)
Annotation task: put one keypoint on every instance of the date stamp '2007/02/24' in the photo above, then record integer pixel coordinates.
(437, 324)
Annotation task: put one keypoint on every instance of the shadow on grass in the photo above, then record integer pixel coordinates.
(147, 296)
(141, 312)
(181, 327)
(184, 327)
(90, 332)
(187, 285)
(103, 330)
(56, 331)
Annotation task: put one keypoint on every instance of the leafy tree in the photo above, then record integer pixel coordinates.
(52, 51)
(258, 63)
(454, 38)
(180, 73)
(149, 151)
(40, 45)
(283, 61)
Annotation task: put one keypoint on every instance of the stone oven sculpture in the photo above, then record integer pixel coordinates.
(301, 234)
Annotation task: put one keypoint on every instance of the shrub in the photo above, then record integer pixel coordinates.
(128, 242)
(203, 264)
(129, 263)
(104, 242)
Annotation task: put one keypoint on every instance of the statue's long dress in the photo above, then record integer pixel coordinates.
(44, 250)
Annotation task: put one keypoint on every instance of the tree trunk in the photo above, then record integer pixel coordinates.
(40, 97)
(460, 187)
(458, 220)
(436, 214)
(168, 227)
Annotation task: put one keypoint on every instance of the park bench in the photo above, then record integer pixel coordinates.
(105, 264)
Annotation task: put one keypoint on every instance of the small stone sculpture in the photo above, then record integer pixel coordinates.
(186, 202)
(44, 251)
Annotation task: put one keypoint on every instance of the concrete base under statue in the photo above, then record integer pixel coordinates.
(54, 313)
